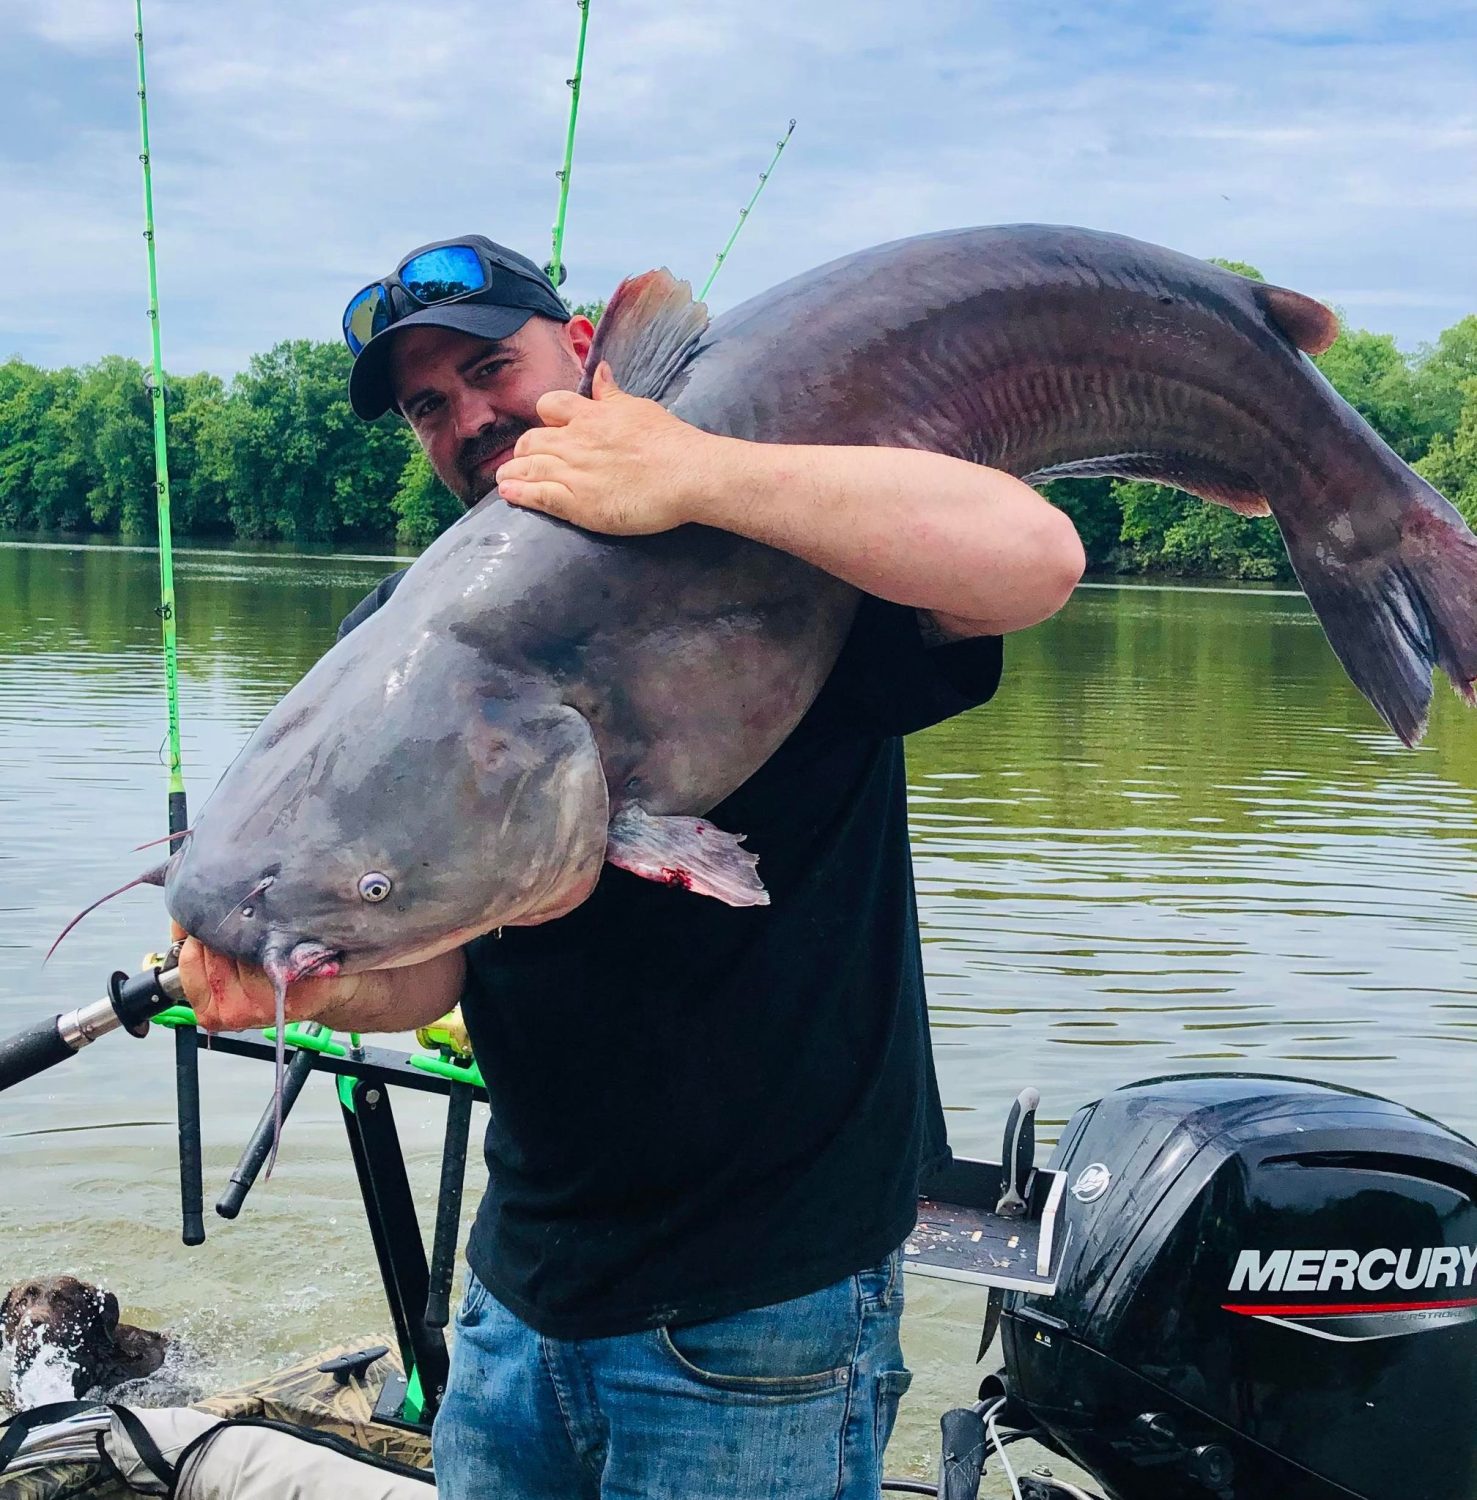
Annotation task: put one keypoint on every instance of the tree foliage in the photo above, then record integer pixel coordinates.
(1451, 462)
(422, 504)
(278, 454)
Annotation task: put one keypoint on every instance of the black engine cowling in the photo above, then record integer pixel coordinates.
(1268, 1292)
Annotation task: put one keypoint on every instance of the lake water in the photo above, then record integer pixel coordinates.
(1177, 840)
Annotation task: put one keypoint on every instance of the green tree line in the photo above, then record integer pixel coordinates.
(277, 454)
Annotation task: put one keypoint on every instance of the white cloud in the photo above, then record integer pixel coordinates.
(1395, 297)
(80, 25)
(300, 149)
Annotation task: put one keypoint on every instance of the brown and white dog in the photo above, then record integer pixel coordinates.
(81, 1322)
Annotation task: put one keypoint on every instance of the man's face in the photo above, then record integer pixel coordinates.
(469, 399)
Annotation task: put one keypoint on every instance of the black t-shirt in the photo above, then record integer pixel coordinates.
(699, 1109)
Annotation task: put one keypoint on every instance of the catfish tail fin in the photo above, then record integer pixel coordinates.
(1391, 617)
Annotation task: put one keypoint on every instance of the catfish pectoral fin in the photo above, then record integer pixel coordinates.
(687, 852)
(1393, 616)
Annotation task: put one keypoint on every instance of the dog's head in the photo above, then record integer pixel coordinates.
(81, 1322)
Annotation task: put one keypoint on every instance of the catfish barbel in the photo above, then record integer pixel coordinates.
(536, 699)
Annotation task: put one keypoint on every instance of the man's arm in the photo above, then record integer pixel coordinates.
(980, 551)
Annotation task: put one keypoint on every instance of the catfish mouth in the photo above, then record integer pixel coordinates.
(287, 960)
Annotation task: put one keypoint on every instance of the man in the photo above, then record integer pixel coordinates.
(708, 1124)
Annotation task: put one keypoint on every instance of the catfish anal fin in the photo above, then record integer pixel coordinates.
(1243, 502)
(1183, 471)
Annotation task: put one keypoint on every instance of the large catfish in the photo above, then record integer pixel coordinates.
(535, 700)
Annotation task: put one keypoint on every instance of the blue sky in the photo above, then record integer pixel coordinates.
(301, 148)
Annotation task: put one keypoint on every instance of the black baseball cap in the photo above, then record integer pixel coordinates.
(471, 284)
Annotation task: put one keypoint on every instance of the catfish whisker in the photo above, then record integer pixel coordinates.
(149, 877)
(168, 838)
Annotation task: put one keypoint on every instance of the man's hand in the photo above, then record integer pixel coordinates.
(228, 995)
(612, 463)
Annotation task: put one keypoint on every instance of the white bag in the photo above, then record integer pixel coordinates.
(190, 1455)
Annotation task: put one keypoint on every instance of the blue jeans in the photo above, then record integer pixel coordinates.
(794, 1401)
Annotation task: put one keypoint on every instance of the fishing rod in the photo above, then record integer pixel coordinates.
(556, 268)
(186, 1039)
(131, 1002)
(744, 211)
(178, 812)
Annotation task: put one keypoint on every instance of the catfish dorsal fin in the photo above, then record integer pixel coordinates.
(647, 333)
(1309, 324)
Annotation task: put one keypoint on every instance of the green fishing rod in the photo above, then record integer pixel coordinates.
(555, 267)
(186, 1038)
(178, 811)
(744, 211)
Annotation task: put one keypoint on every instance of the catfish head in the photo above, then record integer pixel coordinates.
(378, 830)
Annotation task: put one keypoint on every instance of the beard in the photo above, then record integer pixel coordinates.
(494, 439)
(476, 450)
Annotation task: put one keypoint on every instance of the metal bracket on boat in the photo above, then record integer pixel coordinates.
(996, 1226)
(961, 1236)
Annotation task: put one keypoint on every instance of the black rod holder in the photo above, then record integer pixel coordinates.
(187, 1097)
(449, 1204)
(379, 1164)
(254, 1157)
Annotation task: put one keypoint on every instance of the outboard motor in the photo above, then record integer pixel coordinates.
(1268, 1291)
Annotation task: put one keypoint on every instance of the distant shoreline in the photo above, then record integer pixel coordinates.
(83, 541)
(193, 546)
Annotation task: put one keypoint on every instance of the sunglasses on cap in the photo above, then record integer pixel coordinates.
(448, 272)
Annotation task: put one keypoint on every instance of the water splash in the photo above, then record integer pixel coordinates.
(48, 1375)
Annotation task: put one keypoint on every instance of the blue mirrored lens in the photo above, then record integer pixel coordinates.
(449, 271)
(367, 315)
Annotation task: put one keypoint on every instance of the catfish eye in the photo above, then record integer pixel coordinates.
(374, 886)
